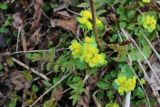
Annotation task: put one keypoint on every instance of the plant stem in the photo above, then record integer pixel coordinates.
(46, 92)
(127, 99)
(93, 11)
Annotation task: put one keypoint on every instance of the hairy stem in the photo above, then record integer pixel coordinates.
(93, 11)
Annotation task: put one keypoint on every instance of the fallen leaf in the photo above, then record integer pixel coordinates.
(85, 99)
(35, 38)
(37, 14)
(67, 24)
(63, 15)
(121, 49)
(17, 20)
(57, 94)
(18, 81)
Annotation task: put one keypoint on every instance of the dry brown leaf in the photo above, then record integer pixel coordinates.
(63, 14)
(35, 38)
(18, 21)
(85, 99)
(57, 94)
(37, 14)
(67, 24)
(18, 81)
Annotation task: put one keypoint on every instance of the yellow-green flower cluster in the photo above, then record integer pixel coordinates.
(112, 104)
(146, 1)
(125, 84)
(88, 52)
(85, 19)
(149, 23)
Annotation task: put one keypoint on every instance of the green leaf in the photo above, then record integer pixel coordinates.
(1, 66)
(74, 98)
(126, 70)
(12, 103)
(36, 57)
(27, 75)
(114, 38)
(139, 92)
(100, 12)
(122, 25)
(10, 62)
(49, 103)
(83, 5)
(131, 26)
(135, 53)
(55, 68)
(3, 6)
(35, 88)
(109, 2)
(158, 27)
(131, 13)
(102, 84)
(120, 10)
(81, 65)
(4, 29)
(110, 95)
(55, 80)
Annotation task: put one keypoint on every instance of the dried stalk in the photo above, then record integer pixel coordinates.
(28, 68)
(158, 56)
(95, 31)
(46, 92)
(136, 45)
(127, 99)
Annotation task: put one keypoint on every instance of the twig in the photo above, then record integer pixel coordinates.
(140, 84)
(32, 51)
(127, 105)
(44, 74)
(19, 32)
(149, 81)
(136, 45)
(45, 15)
(95, 99)
(93, 11)
(72, 11)
(158, 56)
(28, 68)
(46, 92)
(127, 99)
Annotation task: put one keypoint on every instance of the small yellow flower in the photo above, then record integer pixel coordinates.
(99, 24)
(88, 39)
(124, 84)
(130, 84)
(112, 104)
(88, 52)
(121, 80)
(89, 25)
(146, 1)
(75, 45)
(149, 23)
(101, 58)
(87, 14)
(76, 49)
(121, 90)
(82, 20)
(85, 20)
